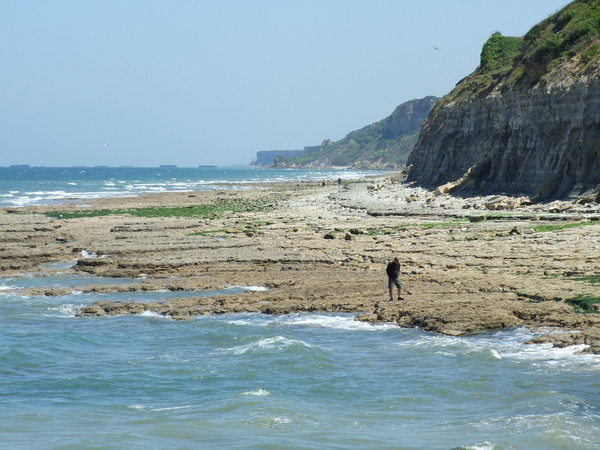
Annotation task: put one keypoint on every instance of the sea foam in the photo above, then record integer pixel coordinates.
(276, 343)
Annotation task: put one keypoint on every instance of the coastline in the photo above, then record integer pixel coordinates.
(469, 265)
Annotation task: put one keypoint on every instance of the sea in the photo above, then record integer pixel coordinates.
(253, 381)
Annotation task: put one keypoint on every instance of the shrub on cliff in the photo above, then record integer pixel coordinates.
(564, 34)
(499, 52)
(508, 61)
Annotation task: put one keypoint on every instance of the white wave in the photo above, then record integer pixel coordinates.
(258, 392)
(249, 319)
(153, 409)
(282, 420)
(337, 322)
(507, 344)
(249, 288)
(314, 320)
(65, 310)
(553, 357)
(275, 343)
(172, 408)
(153, 314)
(496, 354)
(48, 193)
(479, 446)
(142, 407)
(85, 254)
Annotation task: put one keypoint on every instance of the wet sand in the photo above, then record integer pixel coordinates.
(468, 264)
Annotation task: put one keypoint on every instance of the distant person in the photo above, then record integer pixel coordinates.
(393, 273)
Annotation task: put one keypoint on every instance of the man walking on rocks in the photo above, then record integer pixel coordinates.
(393, 273)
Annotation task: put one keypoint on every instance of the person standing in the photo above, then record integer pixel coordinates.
(393, 273)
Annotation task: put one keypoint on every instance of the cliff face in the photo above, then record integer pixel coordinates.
(383, 144)
(531, 126)
(266, 158)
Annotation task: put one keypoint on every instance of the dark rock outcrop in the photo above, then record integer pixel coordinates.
(267, 157)
(528, 124)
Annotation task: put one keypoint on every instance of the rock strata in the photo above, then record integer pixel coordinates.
(540, 142)
(526, 121)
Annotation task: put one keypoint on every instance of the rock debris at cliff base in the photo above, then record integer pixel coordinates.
(466, 267)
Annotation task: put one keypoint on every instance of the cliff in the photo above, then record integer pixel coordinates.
(266, 158)
(383, 144)
(527, 121)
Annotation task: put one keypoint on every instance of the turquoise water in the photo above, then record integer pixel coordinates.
(47, 185)
(297, 381)
(255, 381)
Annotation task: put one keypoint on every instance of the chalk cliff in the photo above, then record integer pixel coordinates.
(527, 121)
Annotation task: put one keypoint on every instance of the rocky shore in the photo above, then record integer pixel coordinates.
(469, 265)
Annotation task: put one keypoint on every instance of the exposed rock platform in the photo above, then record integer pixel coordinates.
(469, 265)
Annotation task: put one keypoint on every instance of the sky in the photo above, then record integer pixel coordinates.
(195, 82)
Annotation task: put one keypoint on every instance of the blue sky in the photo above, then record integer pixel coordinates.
(189, 82)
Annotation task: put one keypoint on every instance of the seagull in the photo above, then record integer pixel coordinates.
(436, 48)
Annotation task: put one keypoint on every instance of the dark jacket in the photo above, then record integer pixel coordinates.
(393, 269)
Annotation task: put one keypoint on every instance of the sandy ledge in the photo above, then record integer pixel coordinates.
(468, 264)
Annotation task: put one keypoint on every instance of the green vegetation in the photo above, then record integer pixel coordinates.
(565, 33)
(205, 233)
(367, 143)
(584, 303)
(562, 226)
(499, 52)
(387, 142)
(507, 61)
(457, 221)
(590, 53)
(592, 279)
(497, 60)
(205, 210)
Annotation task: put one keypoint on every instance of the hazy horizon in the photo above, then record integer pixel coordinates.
(191, 83)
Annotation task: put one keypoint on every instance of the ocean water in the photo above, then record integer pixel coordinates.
(263, 382)
(25, 186)
(296, 381)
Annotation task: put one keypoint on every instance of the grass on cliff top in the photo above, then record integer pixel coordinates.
(573, 30)
(497, 59)
(564, 34)
(365, 144)
(203, 210)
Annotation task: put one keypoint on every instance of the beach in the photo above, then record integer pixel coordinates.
(469, 265)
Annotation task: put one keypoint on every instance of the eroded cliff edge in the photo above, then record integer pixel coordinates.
(527, 121)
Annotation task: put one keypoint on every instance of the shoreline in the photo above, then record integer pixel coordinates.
(469, 265)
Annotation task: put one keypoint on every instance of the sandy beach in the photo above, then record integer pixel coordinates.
(468, 264)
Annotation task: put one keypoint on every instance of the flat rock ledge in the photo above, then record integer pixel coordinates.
(469, 265)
